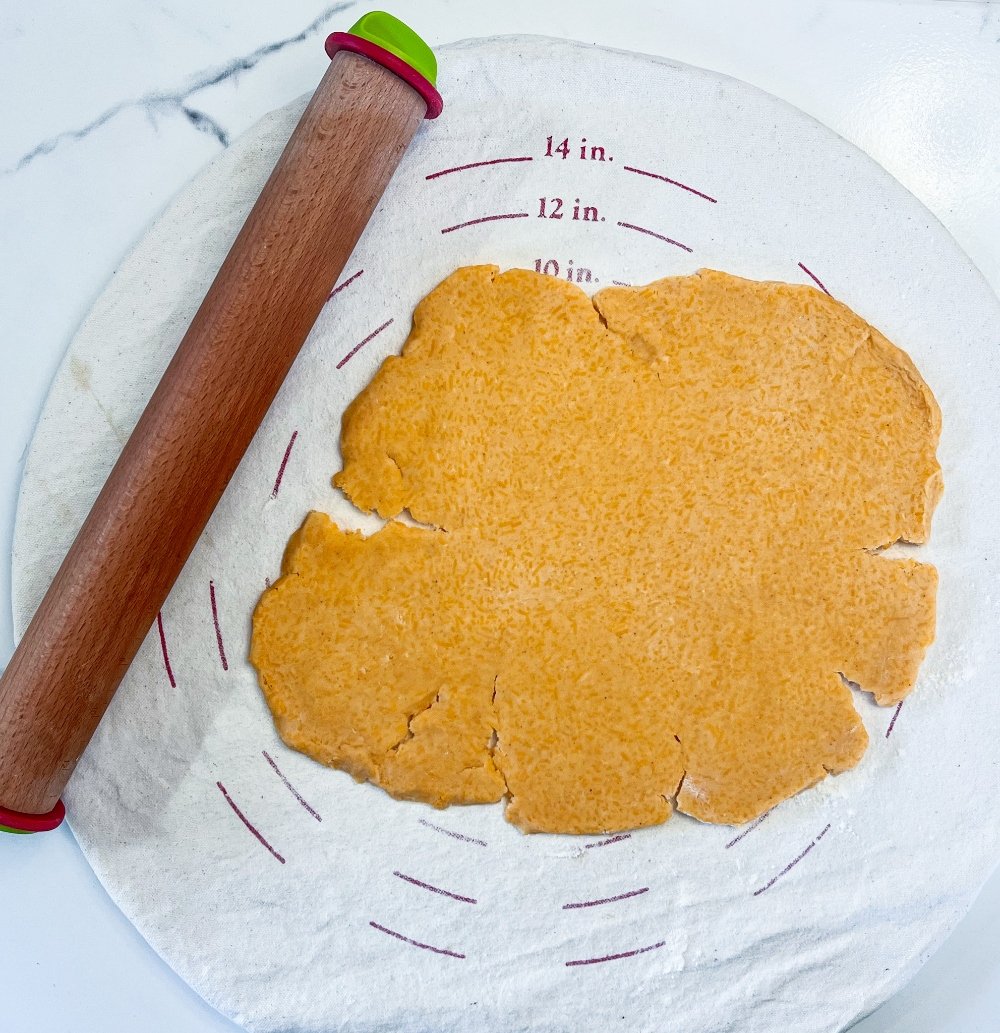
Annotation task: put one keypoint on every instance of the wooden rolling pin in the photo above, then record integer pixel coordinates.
(206, 409)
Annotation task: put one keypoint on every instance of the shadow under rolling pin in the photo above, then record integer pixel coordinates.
(206, 409)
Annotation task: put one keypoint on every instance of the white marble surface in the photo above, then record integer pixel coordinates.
(110, 108)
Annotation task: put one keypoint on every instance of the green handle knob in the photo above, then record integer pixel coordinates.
(393, 35)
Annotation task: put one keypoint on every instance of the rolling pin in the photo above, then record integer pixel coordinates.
(379, 85)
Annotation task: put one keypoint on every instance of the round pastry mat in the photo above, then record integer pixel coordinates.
(292, 898)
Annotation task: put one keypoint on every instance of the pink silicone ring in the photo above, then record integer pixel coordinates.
(345, 41)
(33, 822)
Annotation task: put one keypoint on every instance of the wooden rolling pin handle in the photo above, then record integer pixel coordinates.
(198, 423)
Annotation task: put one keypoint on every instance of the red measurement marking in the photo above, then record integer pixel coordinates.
(218, 630)
(892, 723)
(651, 233)
(617, 957)
(608, 842)
(354, 351)
(435, 889)
(454, 835)
(791, 864)
(288, 785)
(163, 650)
(815, 279)
(284, 463)
(672, 182)
(476, 165)
(346, 283)
(747, 830)
(243, 818)
(607, 900)
(485, 218)
(415, 943)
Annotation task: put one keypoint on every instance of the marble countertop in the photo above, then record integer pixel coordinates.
(109, 109)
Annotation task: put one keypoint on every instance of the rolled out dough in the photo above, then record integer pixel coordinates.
(649, 560)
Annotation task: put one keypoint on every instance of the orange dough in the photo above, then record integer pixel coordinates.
(649, 561)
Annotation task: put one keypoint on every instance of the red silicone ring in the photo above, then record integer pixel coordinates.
(33, 822)
(345, 41)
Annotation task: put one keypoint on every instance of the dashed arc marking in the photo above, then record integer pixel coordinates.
(371, 337)
(288, 785)
(163, 649)
(653, 233)
(747, 830)
(791, 864)
(454, 835)
(477, 165)
(218, 629)
(435, 889)
(416, 943)
(621, 837)
(617, 957)
(815, 279)
(246, 821)
(607, 900)
(284, 463)
(485, 218)
(672, 182)
(346, 283)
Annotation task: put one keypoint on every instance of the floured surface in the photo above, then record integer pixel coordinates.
(729, 934)
(652, 557)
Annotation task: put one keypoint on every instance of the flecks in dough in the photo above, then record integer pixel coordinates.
(650, 556)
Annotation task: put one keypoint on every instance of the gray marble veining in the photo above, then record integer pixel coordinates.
(159, 102)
